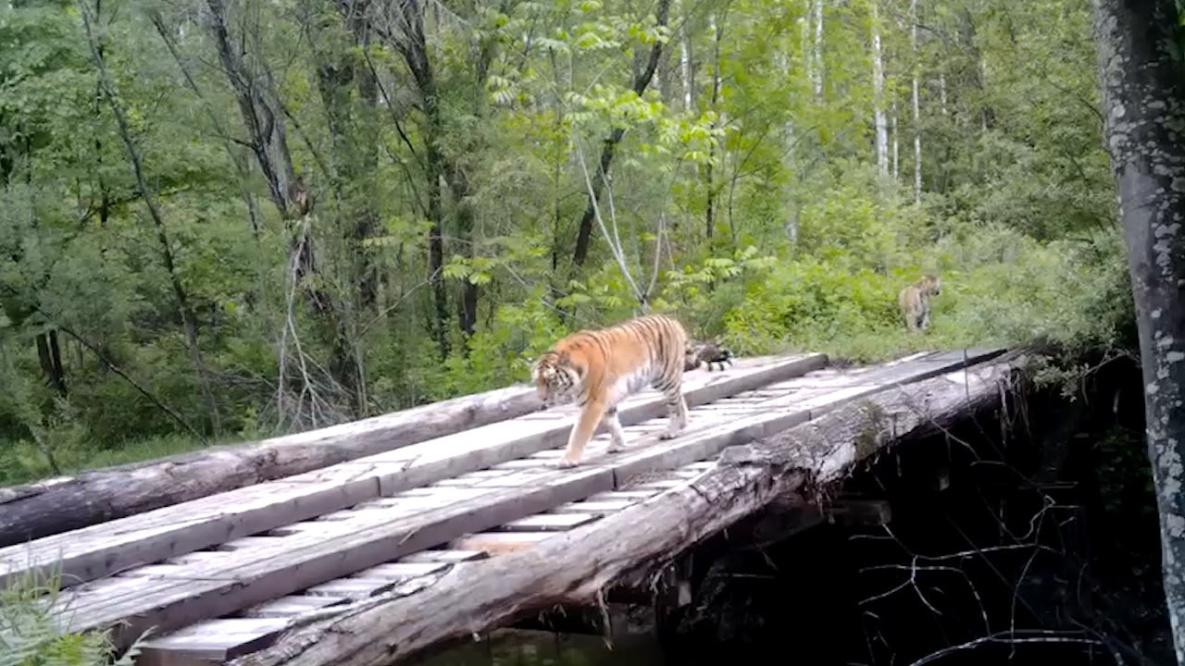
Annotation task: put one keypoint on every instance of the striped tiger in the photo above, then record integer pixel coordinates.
(596, 369)
(914, 301)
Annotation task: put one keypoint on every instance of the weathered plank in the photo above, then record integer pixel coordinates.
(561, 570)
(99, 550)
(213, 644)
(444, 555)
(546, 522)
(57, 505)
(366, 541)
(293, 605)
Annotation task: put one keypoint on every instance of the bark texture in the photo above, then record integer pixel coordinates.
(1144, 104)
(577, 566)
(66, 503)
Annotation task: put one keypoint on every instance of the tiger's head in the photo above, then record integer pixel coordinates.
(556, 378)
(930, 284)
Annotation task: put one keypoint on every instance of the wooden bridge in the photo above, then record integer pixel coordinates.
(406, 542)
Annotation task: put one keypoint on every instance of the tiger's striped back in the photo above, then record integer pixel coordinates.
(610, 363)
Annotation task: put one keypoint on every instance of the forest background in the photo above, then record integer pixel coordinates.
(227, 219)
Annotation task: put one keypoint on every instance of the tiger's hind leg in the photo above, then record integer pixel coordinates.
(676, 409)
(616, 432)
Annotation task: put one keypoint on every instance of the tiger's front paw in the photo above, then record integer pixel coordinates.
(567, 463)
(668, 434)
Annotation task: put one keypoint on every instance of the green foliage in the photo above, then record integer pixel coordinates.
(741, 199)
(30, 636)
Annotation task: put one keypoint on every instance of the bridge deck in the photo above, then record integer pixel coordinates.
(230, 572)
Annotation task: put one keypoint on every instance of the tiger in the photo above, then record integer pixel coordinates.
(914, 301)
(597, 368)
(698, 353)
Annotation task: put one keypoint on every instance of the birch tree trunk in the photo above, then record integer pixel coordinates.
(1144, 103)
(878, 89)
(817, 53)
(942, 91)
(917, 111)
(685, 64)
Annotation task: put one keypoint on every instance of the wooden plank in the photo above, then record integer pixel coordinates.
(291, 606)
(249, 542)
(312, 559)
(400, 571)
(659, 484)
(530, 462)
(637, 495)
(53, 506)
(498, 543)
(443, 555)
(596, 508)
(547, 522)
(212, 643)
(98, 550)
(352, 588)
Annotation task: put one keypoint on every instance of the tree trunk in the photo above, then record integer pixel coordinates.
(403, 28)
(817, 52)
(57, 505)
(709, 173)
(578, 566)
(685, 64)
(184, 311)
(1144, 100)
(584, 233)
(878, 90)
(917, 110)
(50, 357)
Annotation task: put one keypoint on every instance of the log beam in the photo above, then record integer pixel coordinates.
(579, 565)
(61, 504)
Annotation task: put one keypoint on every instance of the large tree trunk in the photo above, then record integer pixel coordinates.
(577, 566)
(57, 505)
(1144, 101)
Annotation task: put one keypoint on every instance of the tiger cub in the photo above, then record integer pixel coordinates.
(698, 353)
(596, 369)
(914, 301)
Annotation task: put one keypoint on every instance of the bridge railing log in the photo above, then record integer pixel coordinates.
(57, 505)
(579, 566)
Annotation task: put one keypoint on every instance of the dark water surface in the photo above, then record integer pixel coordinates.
(538, 648)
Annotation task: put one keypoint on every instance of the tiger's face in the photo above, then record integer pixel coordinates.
(555, 379)
(933, 285)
